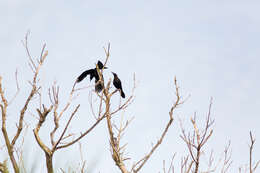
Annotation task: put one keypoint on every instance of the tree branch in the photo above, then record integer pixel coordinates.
(199, 138)
(137, 167)
(252, 167)
(32, 93)
(65, 129)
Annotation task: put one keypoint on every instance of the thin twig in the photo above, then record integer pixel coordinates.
(17, 88)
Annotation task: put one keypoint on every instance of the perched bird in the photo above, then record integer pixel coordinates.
(118, 85)
(100, 65)
(92, 73)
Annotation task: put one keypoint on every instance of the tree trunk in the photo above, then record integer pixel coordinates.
(49, 162)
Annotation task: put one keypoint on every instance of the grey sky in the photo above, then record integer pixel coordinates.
(211, 46)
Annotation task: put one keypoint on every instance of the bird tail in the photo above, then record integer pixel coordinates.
(122, 93)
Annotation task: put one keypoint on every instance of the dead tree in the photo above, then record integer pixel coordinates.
(116, 132)
(60, 142)
(194, 141)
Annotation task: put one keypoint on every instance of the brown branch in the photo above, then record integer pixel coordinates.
(100, 105)
(54, 98)
(69, 101)
(252, 167)
(10, 143)
(171, 167)
(17, 88)
(32, 93)
(82, 169)
(42, 119)
(53, 95)
(226, 160)
(65, 129)
(185, 167)
(198, 140)
(83, 134)
(10, 147)
(100, 118)
(114, 143)
(142, 161)
(128, 101)
(208, 124)
(25, 44)
(48, 153)
(91, 104)
(107, 52)
(123, 106)
(2, 167)
(250, 152)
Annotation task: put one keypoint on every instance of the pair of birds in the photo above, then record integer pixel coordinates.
(93, 73)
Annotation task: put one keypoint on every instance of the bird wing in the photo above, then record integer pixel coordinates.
(95, 75)
(84, 74)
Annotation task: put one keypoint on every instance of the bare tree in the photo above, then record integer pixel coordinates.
(117, 149)
(61, 138)
(55, 102)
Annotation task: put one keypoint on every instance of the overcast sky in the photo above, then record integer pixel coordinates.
(212, 47)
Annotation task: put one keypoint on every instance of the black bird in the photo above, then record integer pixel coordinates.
(92, 72)
(100, 65)
(99, 85)
(118, 85)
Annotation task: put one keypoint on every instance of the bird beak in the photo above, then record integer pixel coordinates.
(105, 68)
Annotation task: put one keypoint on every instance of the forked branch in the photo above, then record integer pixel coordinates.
(198, 139)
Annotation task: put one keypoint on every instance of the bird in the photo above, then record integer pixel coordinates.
(99, 85)
(117, 83)
(100, 65)
(92, 72)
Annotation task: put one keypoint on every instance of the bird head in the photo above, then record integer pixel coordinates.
(114, 74)
(100, 65)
